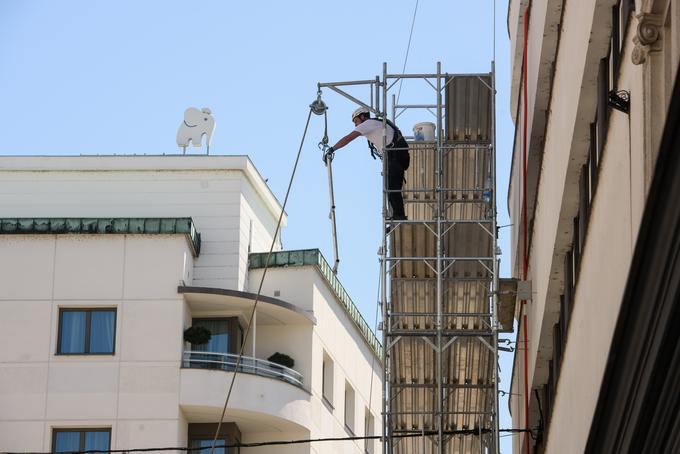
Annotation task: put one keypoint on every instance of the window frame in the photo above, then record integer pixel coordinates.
(82, 431)
(350, 404)
(369, 431)
(327, 386)
(88, 325)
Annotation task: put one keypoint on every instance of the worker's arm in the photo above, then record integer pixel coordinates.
(345, 140)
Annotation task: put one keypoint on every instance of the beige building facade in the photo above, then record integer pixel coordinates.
(106, 261)
(591, 84)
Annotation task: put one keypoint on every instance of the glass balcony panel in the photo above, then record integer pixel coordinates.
(228, 362)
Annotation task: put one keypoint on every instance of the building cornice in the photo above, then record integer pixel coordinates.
(90, 226)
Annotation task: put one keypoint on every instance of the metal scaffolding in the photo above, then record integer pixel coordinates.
(439, 271)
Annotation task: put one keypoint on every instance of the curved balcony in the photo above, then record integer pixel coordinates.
(248, 365)
(265, 399)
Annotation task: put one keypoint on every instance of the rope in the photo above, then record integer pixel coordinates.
(408, 48)
(259, 290)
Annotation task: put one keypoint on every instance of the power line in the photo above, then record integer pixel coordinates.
(408, 48)
(259, 290)
(415, 434)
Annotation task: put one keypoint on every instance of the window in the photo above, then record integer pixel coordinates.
(86, 331)
(226, 335)
(327, 380)
(201, 436)
(349, 408)
(64, 440)
(602, 113)
(369, 431)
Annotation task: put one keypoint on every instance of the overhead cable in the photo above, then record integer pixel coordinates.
(408, 48)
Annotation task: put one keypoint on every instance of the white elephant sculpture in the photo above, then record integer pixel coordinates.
(196, 124)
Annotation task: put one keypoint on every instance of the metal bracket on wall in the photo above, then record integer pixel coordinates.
(620, 100)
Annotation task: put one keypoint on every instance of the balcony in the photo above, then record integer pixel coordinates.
(248, 365)
(265, 401)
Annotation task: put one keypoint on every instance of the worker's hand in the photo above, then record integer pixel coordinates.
(328, 155)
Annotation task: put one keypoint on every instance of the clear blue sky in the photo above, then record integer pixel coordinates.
(104, 77)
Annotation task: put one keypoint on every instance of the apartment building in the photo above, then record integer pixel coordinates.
(590, 197)
(107, 261)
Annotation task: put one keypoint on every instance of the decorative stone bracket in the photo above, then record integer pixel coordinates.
(647, 37)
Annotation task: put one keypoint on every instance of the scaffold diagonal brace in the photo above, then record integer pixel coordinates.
(393, 343)
(488, 345)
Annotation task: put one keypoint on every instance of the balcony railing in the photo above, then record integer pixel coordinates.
(248, 365)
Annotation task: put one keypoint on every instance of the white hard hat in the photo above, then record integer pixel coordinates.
(359, 111)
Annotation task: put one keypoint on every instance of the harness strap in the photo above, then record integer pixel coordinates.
(396, 136)
(373, 150)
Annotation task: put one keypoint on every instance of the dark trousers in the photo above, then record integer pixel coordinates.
(395, 181)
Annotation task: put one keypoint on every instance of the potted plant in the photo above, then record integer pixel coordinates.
(280, 359)
(197, 335)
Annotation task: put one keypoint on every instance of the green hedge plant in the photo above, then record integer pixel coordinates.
(197, 335)
(282, 359)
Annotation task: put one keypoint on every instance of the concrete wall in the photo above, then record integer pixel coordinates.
(336, 336)
(134, 391)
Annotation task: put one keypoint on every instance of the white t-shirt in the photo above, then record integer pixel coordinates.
(372, 130)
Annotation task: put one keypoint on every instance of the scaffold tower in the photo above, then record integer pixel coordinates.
(439, 271)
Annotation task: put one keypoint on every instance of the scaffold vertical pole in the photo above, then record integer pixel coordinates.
(440, 265)
(494, 283)
(387, 391)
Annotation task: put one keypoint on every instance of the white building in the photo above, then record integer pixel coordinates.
(107, 260)
(590, 198)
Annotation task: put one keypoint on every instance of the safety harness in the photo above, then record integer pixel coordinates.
(397, 140)
(397, 133)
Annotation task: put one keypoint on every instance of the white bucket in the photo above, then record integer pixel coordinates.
(424, 131)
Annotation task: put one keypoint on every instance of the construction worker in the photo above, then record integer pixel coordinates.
(397, 153)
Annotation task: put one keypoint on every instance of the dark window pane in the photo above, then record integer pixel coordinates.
(615, 46)
(602, 109)
(102, 327)
(592, 159)
(98, 441)
(206, 444)
(66, 441)
(219, 339)
(73, 325)
(569, 277)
